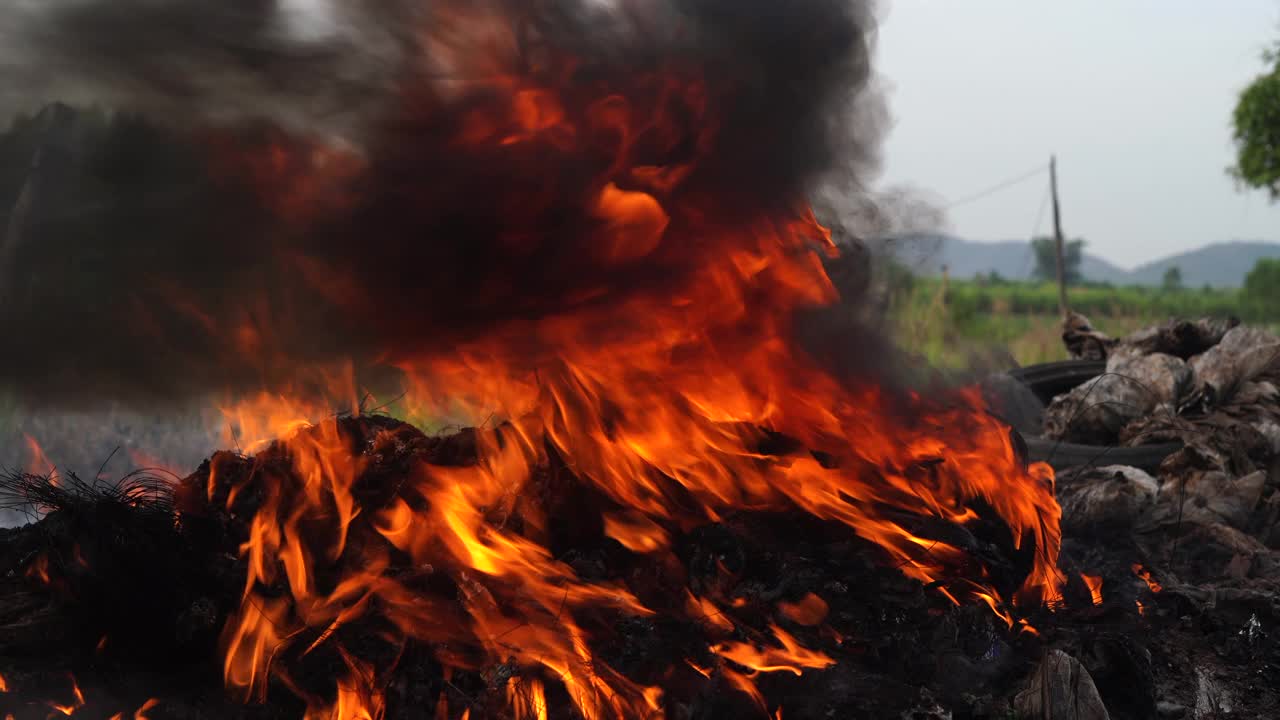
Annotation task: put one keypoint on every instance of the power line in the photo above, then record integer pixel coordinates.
(998, 187)
(1040, 219)
(1044, 202)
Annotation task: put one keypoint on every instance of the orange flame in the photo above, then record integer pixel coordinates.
(639, 418)
(1094, 583)
(38, 463)
(141, 713)
(809, 610)
(76, 703)
(38, 570)
(792, 657)
(1146, 577)
(661, 402)
(527, 699)
(743, 684)
(636, 532)
(655, 402)
(705, 610)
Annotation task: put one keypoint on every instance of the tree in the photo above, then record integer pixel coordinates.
(1046, 257)
(1262, 287)
(1172, 279)
(1256, 130)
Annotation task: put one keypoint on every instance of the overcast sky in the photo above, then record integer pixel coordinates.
(1134, 96)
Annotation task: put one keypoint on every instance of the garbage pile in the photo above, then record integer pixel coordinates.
(1171, 607)
(1189, 550)
(1213, 385)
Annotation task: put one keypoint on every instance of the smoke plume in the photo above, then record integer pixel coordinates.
(264, 197)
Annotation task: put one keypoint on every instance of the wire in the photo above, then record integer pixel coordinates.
(1044, 202)
(1001, 186)
(1035, 230)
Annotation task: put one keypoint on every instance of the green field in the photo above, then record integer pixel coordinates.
(977, 324)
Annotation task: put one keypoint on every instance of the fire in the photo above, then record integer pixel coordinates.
(712, 616)
(140, 713)
(76, 703)
(809, 610)
(1094, 583)
(661, 402)
(38, 570)
(665, 397)
(536, 626)
(791, 657)
(636, 532)
(38, 463)
(527, 699)
(1146, 577)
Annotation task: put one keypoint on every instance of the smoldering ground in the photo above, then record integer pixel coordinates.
(260, 199)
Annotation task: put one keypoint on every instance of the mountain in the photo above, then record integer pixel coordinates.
(1011, 259)
(1220, 264)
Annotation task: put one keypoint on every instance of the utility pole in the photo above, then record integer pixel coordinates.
(1057, 236)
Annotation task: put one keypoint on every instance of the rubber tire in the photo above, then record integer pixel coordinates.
(1048, 380)
(1063, 455)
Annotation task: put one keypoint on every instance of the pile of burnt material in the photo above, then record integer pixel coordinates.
(130, 598)
(1189, 545)
(1207, 383)
(137, 598)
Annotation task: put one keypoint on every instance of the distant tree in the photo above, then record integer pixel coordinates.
(1262, 287)
(1172, 279)
(1256, 130)
(1046, 257)
(990, 277)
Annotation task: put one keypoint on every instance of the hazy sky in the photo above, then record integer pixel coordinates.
(1134, 96)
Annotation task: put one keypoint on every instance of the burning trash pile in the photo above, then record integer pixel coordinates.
(688, 486)
(585, 228)
(362, 569)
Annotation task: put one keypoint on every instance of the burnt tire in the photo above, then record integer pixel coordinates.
(1063, 455)
(1048, 380)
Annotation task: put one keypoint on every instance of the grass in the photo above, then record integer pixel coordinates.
(994, 326)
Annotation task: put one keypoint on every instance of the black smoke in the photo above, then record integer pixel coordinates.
(185, 60)
(156, 252)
